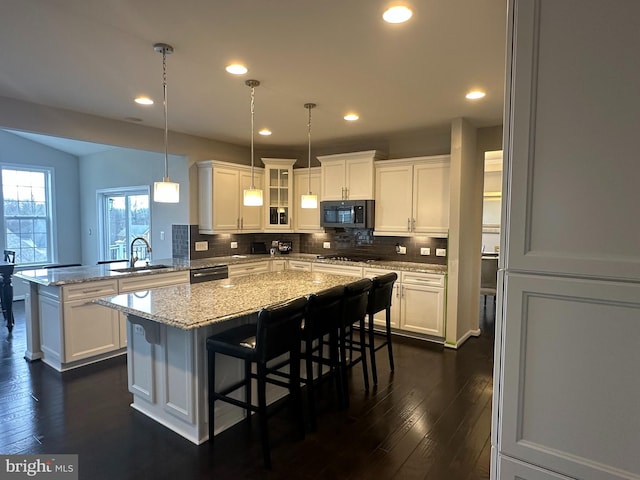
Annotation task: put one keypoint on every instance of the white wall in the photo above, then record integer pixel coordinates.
(17, 150)
(125, 167)
(66, 202)
(465, 226)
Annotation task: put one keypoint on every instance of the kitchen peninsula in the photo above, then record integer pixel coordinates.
(167, 329)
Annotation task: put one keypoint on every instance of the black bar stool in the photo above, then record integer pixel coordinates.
(323, 318)
(277, 332)
(356, 298)
(380, 299)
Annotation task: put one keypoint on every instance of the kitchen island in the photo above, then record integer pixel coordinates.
(167, 330)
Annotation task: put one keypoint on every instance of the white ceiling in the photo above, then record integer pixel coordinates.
(95, 56)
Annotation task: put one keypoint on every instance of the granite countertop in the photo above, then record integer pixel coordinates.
(189, 306)
(87, 273)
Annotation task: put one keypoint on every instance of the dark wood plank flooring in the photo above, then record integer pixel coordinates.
(430, 419)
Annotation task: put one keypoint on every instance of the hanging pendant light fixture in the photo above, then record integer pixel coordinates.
(309, 200)
(165, 191)
(252, 196)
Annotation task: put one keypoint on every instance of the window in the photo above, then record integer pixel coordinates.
(26, 202)
(124, 215)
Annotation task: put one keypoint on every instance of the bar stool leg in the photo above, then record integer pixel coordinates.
(372, 350)
(363, 356)
(211, 391)
(262, 415)
(389, 344)
(311, 395)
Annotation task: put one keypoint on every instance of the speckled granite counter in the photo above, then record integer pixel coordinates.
(197, 305)
(87, 273)
(167, 329)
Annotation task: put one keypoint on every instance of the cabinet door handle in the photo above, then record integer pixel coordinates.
(238, 223)
(92, 290)
(413, 224)
(242, 223)
(408, 224)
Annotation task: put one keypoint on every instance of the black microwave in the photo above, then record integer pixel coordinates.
(347, 214)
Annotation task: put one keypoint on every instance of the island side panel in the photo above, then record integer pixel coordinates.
(167, 368)
(32, 323)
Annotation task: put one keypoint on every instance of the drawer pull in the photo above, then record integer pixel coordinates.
(93, 290)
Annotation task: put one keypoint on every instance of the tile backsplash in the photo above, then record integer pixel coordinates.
(347, 242)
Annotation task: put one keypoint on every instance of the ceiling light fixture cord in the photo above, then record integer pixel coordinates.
(166, 123)
(309, 106)
(253, 84)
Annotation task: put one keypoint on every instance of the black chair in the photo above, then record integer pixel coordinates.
(380, 300)
(323, 318)
(356, 298)
(277, 332)
(47, 267)
(10, 256)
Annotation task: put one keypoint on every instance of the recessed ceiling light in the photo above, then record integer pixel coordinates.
(475, 95)
(236, 69)
(265, 132)
(351, 117)
(397, 14)
(143, 101)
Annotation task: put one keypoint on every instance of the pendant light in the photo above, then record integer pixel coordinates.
(165, 191)
(309, 200)
(252, 196)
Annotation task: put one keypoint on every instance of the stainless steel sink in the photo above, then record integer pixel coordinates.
(141, 268)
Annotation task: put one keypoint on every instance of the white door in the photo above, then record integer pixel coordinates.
(422, 309)
(359, 179)
(226, 199)
(431, 197)
(393, 198)
(251, 217)
(333, 180)
(566, 395)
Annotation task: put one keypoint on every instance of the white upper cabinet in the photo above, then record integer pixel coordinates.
(220, 192)
(412, 196)
(278, 197)
(348, 176)
(306, 219)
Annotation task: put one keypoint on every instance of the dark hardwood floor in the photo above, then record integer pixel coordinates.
(431, 419)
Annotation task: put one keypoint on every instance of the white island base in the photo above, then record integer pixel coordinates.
(167, 370)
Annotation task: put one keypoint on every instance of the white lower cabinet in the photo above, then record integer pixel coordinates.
(418, 302)
(299, 265)
(249, 268)
(348, 270)
(278, 265)
(73, 329)
(89, 330)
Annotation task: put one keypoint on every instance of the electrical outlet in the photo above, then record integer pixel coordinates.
(402, 250)
(161, 235)
(202, 246)
(425, 251)
(326, 244)
(234, 244)
(441, 252)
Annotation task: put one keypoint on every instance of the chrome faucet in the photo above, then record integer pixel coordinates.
(133, 259)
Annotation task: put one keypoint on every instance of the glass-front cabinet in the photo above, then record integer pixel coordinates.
(279, 193)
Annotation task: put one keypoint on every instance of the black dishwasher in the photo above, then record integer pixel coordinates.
(205, 274)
